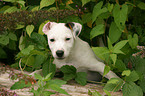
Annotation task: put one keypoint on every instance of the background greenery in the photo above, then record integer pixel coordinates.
(119, 22)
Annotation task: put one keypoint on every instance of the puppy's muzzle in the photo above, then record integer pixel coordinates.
(59, 53)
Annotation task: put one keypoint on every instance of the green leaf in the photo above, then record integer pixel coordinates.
(41, 27)
(98, 10)
(120, 15)
(86, 17)
(142, 85)
(114, 84)
(47, 77)
(12, 1)
(39, 40)
(131, 89)
(110, 7)
(68, 69)
(27, 50)
(19, 26)
(20, 85)
(2, 54)
(100, 52)
(30, 60)
(113, 57)
(12, 36)
(11, 9)
(132, 77)
(21, 3)
(29, 29)
(85, 1)
(126, 73)
(120, 44)
(38, 76)
(4, 40)
(39, 59)
(114, 33)
(141, 5)
(48, 67)
(45, 3)
(133, 41)
(106, 70)
(81, 78)
(120, 65)
(97, 30)
(57, 88)
(107, 92)
(109, 44)
(36, 8)
(21, 45)
(96, 93)
(57, 82)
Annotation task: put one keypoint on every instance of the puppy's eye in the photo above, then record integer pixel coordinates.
(67, 39)
(52, 40)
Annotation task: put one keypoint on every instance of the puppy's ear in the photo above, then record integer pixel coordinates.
(75, 27)
(47, 27)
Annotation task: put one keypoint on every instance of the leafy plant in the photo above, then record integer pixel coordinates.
(45, 84)
(70, 72)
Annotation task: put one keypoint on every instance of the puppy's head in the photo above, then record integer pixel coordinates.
(61, 37)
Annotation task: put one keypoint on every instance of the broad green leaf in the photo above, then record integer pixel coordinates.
(47, 77)
(21, 3)
(114, 33)
(68, 69)
(4, 40)
(4, 8)
(107, 92)
(131, 89)
(20, 85)
(29, 29)
(39, 40)
(30, 61)
(95, 93)
(141, 5)
(57, 82)
(12, 1)
(85, 1)
(57, 88)
(27, 50)
(41, 27)
(120, 44)
(126, 73)
(113, 57)
(98, 10)
(35, 8)
(133, 41)
(106, 70)
(39, 59)
(81, 78)
(142, 85)
(132, 77)
(120, 15)
(120, 65)
(114, 84)
(100, 52)
(19, 26)
(38, 76)
(118, 51)
(11, 9)
(45, 3)
(12, 36)
(69, 76)
(48, 67)
(97, 30)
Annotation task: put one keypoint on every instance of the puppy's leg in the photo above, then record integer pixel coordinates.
(99, 67)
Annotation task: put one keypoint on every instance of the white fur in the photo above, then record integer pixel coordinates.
(76, 52)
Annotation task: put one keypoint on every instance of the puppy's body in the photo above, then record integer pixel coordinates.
(68, 49)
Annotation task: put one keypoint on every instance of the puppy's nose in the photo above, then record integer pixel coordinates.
(59, 53)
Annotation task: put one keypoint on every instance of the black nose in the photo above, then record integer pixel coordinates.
(59, 53)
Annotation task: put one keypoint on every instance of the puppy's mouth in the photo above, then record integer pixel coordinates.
(60, 58)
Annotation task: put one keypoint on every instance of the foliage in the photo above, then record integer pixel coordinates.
(119, 22)
(45, 83)
(70, 73)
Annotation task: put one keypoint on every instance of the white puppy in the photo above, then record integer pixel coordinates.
(68, 49)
